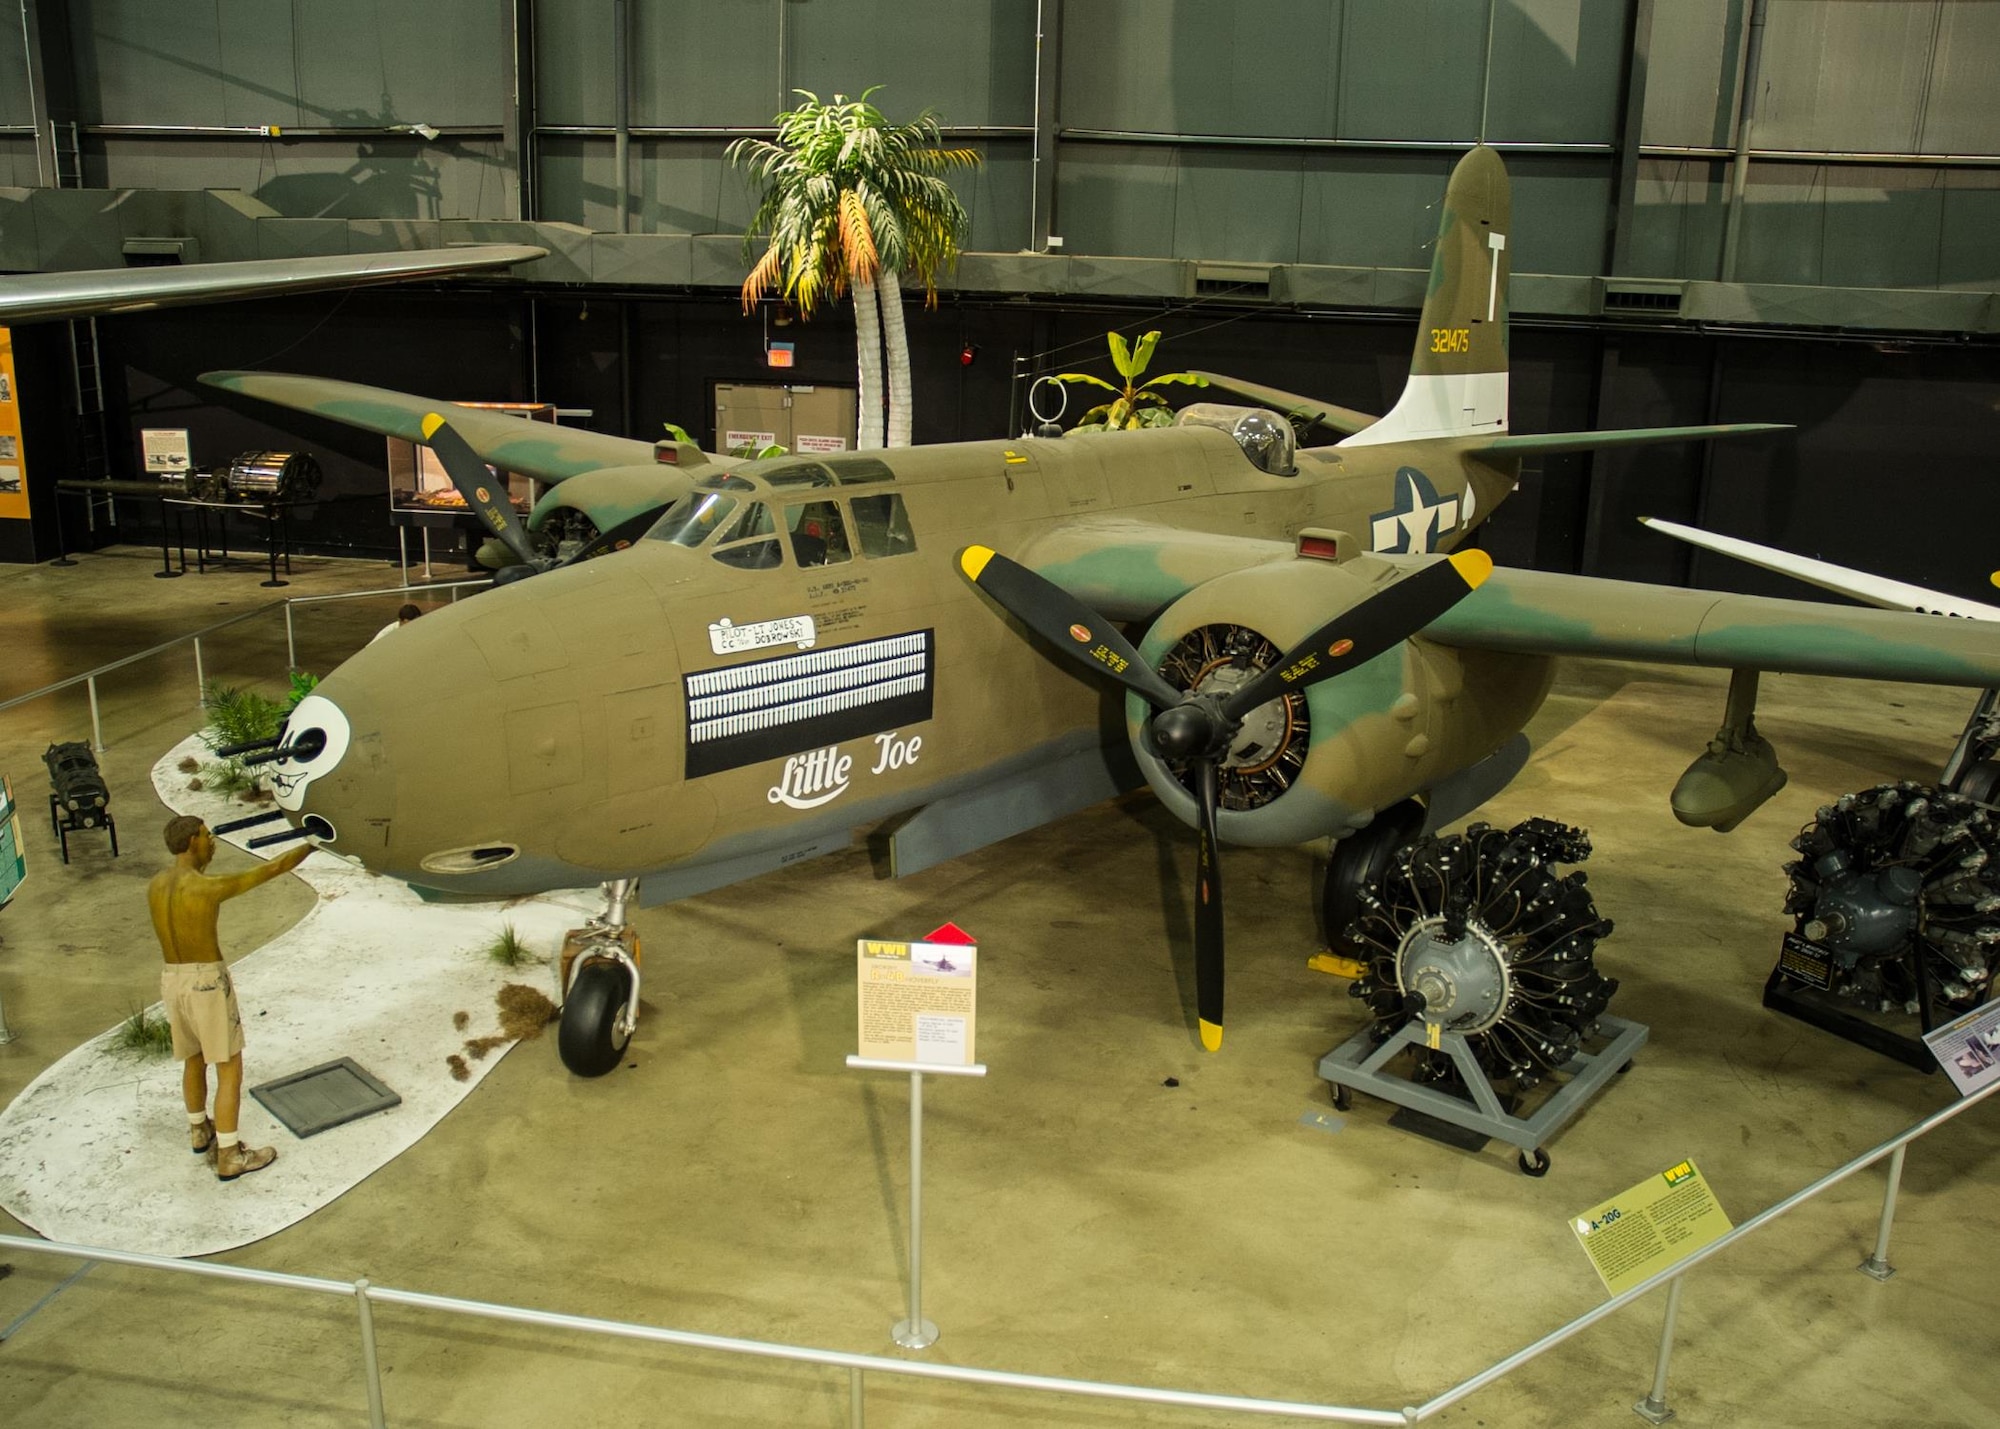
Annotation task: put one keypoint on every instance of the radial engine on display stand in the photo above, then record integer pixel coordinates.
(1896, 901)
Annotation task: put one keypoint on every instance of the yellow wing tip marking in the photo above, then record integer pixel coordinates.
(432, 421)
(1211, 1034)
(972, 560)
(1472, 566)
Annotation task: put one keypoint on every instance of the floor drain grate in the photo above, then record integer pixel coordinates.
(325, 1096)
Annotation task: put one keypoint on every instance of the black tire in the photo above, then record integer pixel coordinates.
(1359, 861)
(1342, 1098)
(1537, 1167)
(588, 1039)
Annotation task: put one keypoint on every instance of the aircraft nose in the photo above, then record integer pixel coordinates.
(317, 737)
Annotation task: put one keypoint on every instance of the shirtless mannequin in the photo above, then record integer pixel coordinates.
(196, 992)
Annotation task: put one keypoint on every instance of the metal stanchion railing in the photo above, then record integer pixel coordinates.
(371, 1367)
(1653, 1408)
(200, 675)
(1877, 1263)
(96, 722)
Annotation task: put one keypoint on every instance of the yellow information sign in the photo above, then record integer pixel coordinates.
(1637, 1234)
(917, 1001)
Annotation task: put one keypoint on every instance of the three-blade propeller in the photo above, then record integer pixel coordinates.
(1199, 727)
(486, 496)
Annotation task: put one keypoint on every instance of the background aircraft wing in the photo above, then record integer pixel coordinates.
(1841, 580)
(538, 449)
(93, 291)
(1538, 443)
(1539, 612)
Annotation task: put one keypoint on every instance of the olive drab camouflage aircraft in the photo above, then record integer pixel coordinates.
(937, 637)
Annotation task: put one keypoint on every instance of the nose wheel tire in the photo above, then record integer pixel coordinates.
(594, 1032)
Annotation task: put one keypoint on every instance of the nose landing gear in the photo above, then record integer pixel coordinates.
(600, 982)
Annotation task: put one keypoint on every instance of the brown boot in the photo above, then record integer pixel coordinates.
(241, 1160)
(201, 1139)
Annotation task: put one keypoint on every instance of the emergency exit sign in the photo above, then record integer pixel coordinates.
(779, 354)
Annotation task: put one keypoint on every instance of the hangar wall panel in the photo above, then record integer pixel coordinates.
(973, 61)
(1556, 68)
(1269, 67)
(1848, 77)
(1960, 116)
(1691, 73)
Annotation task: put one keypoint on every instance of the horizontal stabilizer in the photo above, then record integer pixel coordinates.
(1841, 580)
(1343, 420)
(1533, 444)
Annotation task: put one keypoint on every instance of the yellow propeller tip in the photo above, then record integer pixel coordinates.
(1472, 566)
(431, 422)
(972, 560)
(1211, 1035)
(1995, 578)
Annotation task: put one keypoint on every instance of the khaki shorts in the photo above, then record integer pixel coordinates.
(200, 1002)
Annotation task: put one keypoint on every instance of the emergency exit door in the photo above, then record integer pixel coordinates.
(802, 419)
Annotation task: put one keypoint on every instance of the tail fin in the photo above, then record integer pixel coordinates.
(1458, 374)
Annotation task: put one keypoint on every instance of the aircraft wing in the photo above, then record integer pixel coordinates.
(538, 449)
(1344, 420)
(1127, 569)
(1540, 612)
(93, 291)
(1536, 443)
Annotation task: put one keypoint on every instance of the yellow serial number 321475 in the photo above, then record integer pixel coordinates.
(1451, 339)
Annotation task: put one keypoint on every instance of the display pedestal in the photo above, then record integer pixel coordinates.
(1359, 1064)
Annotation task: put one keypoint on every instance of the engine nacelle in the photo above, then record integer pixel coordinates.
(1322, 761)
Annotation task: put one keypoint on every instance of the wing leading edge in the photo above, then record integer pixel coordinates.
(1539, 612)
(537, 449)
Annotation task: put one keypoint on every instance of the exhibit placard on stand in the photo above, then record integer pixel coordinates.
(165, 451)
(1968, 1048)
(1639, 1233)
(918, 1002)
(916, 1007)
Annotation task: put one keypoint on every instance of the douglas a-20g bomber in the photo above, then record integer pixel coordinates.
(935, 637)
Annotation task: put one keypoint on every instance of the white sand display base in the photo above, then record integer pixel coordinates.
(95, 1149)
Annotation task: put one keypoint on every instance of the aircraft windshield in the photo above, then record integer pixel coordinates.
(693, 519)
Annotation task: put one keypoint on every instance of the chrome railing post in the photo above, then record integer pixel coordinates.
(1653, 1408)
(1877, 1263)
(96, 726)
(370, 1366)
(291, 640)
(200, 677)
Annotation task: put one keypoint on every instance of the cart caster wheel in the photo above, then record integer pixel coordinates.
(1342, 1098)
(1626, 1068)
(594, 1032)
(1537, 1167)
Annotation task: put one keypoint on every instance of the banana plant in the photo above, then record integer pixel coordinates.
(1134, 405)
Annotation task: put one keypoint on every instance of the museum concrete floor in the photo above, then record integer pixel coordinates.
(1084, 1215)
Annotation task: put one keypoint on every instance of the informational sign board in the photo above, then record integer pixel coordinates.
(1638, 1233)
(13, 459)
(13, 859)
(1968, 1048)
(165, 450)
(918, 1001)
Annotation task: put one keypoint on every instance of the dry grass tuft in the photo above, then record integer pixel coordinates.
(478, 1047)
(459, 1071)
(524, 1011)
(460, 1021)
(194, 786)
(189, 765)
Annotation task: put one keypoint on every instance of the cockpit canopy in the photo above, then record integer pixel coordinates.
(1266, 437)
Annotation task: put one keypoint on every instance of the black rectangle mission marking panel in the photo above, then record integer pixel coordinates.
(767, 709)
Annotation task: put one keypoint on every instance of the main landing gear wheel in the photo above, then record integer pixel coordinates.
(1475, 933)
(595, 1028)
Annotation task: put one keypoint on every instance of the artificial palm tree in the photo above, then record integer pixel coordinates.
(851, 201)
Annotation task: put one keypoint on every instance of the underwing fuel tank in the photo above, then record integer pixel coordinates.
(1729, 782)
